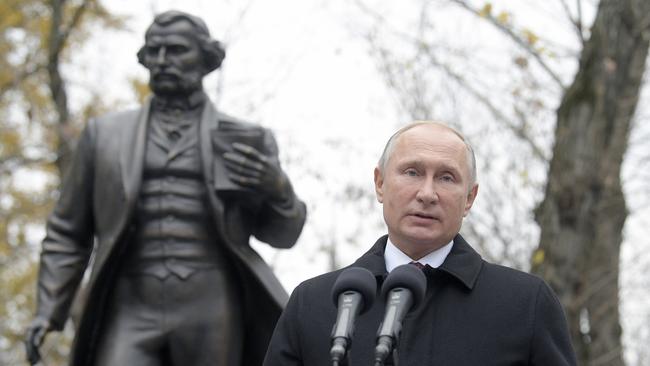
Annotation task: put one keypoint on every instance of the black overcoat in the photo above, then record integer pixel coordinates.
(92, 221)
(475, 313)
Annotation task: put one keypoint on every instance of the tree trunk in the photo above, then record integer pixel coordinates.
(584, 210)
(57, 85)
(58, 36)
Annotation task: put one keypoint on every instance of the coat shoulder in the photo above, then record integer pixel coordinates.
(514, 279)
(316, 293)
(321, 284)
(118, 119)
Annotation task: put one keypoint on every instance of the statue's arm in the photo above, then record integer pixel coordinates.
(69, 237)
(66, 248)
(281, 220)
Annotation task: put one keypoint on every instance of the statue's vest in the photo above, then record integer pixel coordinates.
(175, 233)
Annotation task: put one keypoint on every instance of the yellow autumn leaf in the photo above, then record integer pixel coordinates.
(538, 257)
(530, 37)
(486, 11)
(524, 174)
(503, 17)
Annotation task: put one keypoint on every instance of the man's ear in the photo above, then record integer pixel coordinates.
(471, 196)
(379, 185)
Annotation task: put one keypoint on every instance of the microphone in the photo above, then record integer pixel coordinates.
(353, 293)
(403, 290)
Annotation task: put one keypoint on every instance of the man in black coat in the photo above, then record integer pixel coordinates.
(474, 312)
(164, 199)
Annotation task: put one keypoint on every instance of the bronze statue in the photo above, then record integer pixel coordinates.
(160, 203)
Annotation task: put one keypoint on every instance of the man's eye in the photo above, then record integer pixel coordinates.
(411, 172)
(176, 49)
(447, 178)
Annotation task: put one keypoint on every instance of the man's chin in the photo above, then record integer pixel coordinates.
(422, 237)
(166, 88)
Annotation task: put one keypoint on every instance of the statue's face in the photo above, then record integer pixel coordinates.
(174, 59)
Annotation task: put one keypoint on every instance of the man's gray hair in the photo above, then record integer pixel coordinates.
(390, 146)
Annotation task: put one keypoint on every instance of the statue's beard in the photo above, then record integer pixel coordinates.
(172, 83)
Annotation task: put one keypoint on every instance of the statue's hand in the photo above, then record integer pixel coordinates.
(34, 338)
(250, 168)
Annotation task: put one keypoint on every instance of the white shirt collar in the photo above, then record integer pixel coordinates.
(394, 257)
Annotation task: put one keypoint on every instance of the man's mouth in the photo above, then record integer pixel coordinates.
(423, 215)
(164, 76)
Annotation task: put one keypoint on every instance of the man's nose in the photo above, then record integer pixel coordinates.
(427, 192)
(161, 57)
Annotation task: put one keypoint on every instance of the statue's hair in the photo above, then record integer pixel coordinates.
(390, 145)
(213, 51)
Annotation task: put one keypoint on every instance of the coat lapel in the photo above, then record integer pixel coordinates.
(373, 259)
(134, 142)
(209, 123)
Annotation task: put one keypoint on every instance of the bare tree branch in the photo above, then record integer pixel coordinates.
(62, 35)
(393, 83)
(519, 131)
(517, 39)
(387, 68)
(58, 36)
(580, 21)
(577, 21)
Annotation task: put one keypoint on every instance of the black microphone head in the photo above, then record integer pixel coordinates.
(356, 279)
(407, 276)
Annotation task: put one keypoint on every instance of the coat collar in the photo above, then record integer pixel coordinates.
(133, 148)
(209, 122)
(373, 259)
(463, 263)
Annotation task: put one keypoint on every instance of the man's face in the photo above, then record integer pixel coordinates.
(174, 59)
(425, 189)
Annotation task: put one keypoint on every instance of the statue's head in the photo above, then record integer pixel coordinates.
(179, 52)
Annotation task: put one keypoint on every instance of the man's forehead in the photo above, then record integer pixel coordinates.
(181, 28)
(172, 38)
(431, 134)
(427, 141)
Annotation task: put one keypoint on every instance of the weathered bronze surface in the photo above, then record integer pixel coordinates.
(159, 205)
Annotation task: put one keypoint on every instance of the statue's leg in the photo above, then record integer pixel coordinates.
(205, 319)
(134, 332)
